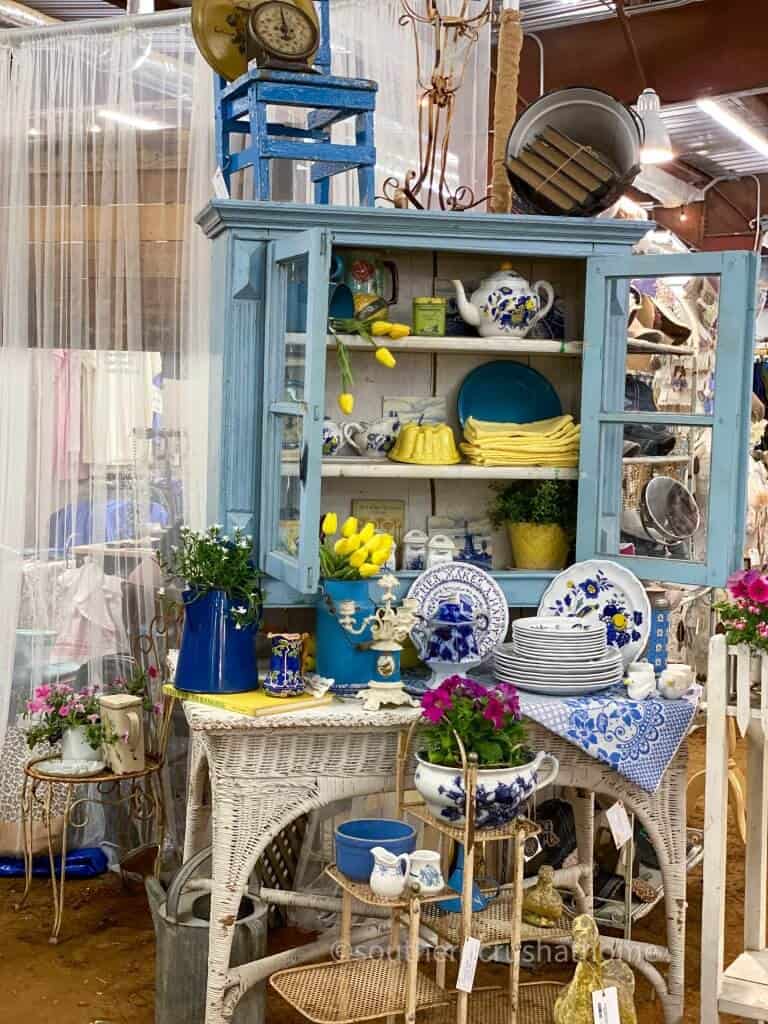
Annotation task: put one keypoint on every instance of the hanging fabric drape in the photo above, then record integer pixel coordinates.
(106, 156)
(368, 41)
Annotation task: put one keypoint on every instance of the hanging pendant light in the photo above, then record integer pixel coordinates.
(657, 148)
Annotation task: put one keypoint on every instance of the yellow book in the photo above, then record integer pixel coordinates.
(254, 703)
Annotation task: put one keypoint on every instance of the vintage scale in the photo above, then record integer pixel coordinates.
(282, 34)
(271, 54)
(390, 626)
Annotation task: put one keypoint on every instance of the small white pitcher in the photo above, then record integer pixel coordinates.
(426, 872)
(390, 873)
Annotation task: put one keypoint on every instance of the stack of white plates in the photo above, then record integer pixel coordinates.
(558, 656)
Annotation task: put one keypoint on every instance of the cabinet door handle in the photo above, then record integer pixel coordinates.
(303, 465)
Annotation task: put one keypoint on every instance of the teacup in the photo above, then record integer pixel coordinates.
(372, 440)
(642, 680)
(675, 681)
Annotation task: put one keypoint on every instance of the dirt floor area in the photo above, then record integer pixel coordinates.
(103, 968)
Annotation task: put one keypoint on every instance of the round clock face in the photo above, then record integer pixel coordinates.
(284, 30)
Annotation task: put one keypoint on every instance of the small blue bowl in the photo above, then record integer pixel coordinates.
(355, 840)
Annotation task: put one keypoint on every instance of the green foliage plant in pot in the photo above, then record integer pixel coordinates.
(540, 517)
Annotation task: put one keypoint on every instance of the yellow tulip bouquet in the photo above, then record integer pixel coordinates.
(368, 330)
(358, 552)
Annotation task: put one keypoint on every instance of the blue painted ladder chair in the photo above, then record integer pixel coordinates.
(241, 109)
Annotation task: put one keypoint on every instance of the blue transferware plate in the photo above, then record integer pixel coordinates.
(505, 392)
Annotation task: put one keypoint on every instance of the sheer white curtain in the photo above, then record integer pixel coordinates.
(105, 155)
(368, 42)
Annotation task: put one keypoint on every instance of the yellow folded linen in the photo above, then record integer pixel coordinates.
(475, 430)
(526, 445)
(564, 461)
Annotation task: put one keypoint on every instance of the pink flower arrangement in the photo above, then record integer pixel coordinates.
(486, 720)
(745, 614)
(55, 707)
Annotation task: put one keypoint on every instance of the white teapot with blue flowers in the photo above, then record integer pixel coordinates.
(505, 305)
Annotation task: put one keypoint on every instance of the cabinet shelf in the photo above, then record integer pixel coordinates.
(460, 345)
(355, 466)
(354, 990)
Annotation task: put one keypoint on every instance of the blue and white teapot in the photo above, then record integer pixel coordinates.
(505, 305)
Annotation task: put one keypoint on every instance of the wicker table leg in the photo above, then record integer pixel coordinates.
(198, 815)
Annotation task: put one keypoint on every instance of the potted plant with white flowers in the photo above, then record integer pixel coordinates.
(223, 603)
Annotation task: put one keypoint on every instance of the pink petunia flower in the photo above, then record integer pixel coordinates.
(93, 718)
(758, 590)
(494, 712)
(64, 710)
(43, 692)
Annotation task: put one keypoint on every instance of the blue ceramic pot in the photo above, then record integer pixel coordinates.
(215, 657)
(356, 839)
(338, 657)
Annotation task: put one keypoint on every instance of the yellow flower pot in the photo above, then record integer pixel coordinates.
(538, 545)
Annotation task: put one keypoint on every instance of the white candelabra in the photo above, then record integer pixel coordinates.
(390, 625)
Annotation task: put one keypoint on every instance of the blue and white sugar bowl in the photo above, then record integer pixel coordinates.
(451, 634)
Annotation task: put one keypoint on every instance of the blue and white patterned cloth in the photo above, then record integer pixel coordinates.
(638, 738)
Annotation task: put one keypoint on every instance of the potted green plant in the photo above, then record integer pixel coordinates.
(540, 517)
(488, 723)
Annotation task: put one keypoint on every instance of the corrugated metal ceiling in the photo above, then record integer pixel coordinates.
(700, 140)
(74, 10)
(540, 15)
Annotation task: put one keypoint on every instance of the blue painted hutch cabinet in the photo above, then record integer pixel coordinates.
(275, 378)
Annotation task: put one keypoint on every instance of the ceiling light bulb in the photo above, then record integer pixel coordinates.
(683, 215)
(657, 147)
(734, 124)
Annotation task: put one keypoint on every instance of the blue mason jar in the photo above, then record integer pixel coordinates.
(215, 656)
(338, 655)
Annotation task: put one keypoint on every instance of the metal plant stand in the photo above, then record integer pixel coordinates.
(141, 792)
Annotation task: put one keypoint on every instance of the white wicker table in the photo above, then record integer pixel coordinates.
(266, 772)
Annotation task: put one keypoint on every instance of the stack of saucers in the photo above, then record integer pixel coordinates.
(558, 656)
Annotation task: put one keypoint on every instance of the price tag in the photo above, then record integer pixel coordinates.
(605, 1006)
(469, 957)
(219, 185)
(618, 820)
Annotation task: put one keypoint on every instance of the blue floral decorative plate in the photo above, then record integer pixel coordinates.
(602, 591)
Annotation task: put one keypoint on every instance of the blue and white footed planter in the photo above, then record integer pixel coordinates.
(500, 791)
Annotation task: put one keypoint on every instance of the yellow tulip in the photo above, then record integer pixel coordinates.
(341, 547)
(349, 527)
(399, 331)
(379, 557)
(353, 543)
(385, 357)
(368, 569)
(379, 327)
(346, 402)
(367, 532)
(330, 524)
(357, 559)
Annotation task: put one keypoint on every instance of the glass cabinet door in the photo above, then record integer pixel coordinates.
(294, 388)
(666, 412)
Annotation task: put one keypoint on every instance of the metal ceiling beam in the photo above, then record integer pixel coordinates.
(686, 52)
(12, 13)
